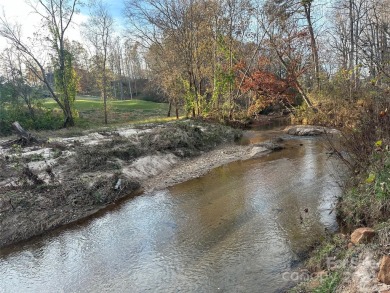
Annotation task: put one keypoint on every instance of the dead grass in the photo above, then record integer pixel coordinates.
(182, 139)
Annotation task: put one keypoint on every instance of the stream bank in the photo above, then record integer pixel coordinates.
(356, 260)
(240, 227)
(111, 165)
(67, 179)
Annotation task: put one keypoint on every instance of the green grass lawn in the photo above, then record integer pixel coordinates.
(91, 111)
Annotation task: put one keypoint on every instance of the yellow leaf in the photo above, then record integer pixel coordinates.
(378, 143)
(371, 178)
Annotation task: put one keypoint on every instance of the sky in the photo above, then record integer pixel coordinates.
(19, 11)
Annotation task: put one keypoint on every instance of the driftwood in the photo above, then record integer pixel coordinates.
(32, 177)
(25, 138)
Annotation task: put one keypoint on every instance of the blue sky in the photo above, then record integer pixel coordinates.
(116, 8)
(19, 11)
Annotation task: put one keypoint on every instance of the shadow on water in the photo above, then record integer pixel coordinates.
(239, 228)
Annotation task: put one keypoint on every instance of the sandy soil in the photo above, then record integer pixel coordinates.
(195, 167)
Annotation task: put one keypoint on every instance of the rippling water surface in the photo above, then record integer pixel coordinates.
(237, 229)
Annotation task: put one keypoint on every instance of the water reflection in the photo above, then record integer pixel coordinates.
(236, 229)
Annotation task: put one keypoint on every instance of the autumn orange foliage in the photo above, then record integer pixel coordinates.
(265, 87)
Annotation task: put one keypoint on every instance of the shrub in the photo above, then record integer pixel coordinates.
(369, 202)
(43, 119)
(367, 199)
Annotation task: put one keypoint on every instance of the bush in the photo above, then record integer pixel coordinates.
(367, 199)
(43, 119)
(368, 203)
(339, 103)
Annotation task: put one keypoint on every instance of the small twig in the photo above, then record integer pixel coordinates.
(337, 152)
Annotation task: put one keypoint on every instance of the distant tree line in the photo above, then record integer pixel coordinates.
(228, 59)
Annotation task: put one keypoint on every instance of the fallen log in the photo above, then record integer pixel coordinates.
(25, 138)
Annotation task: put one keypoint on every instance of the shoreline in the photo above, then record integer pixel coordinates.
(32, 206)
(69, 179)
(191, 168)
(29, 209)
(159, 170)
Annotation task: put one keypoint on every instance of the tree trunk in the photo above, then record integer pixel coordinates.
(121, 88)
(114, 86)
(105, 106)
(169, 109)
(69, 121)
(25, 138)
(351, 55)
(130, 89)
(313, 44)
(104, 93)
(21, 132)
(305, 97)
(30, 108)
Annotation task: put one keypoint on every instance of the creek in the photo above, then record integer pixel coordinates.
(243, 227)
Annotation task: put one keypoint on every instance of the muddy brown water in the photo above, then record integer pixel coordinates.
(240, 228)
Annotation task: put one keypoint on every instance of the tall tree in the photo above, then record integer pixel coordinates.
(302, 12)
(98, 30)
(202, 37)
(117, 66)
(81, 63)
(307, 7)
(289, 41)
(57, 16)
(176, 25)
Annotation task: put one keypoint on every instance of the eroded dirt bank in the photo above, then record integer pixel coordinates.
(66, 179)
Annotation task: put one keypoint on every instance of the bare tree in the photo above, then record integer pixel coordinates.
(373, 39)
(360, 38)
(129, 66)
(98, 31)
(15, 75)
(169, 28)
(57, 16)
(307, 6)
(116, 63)
(202, 39)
